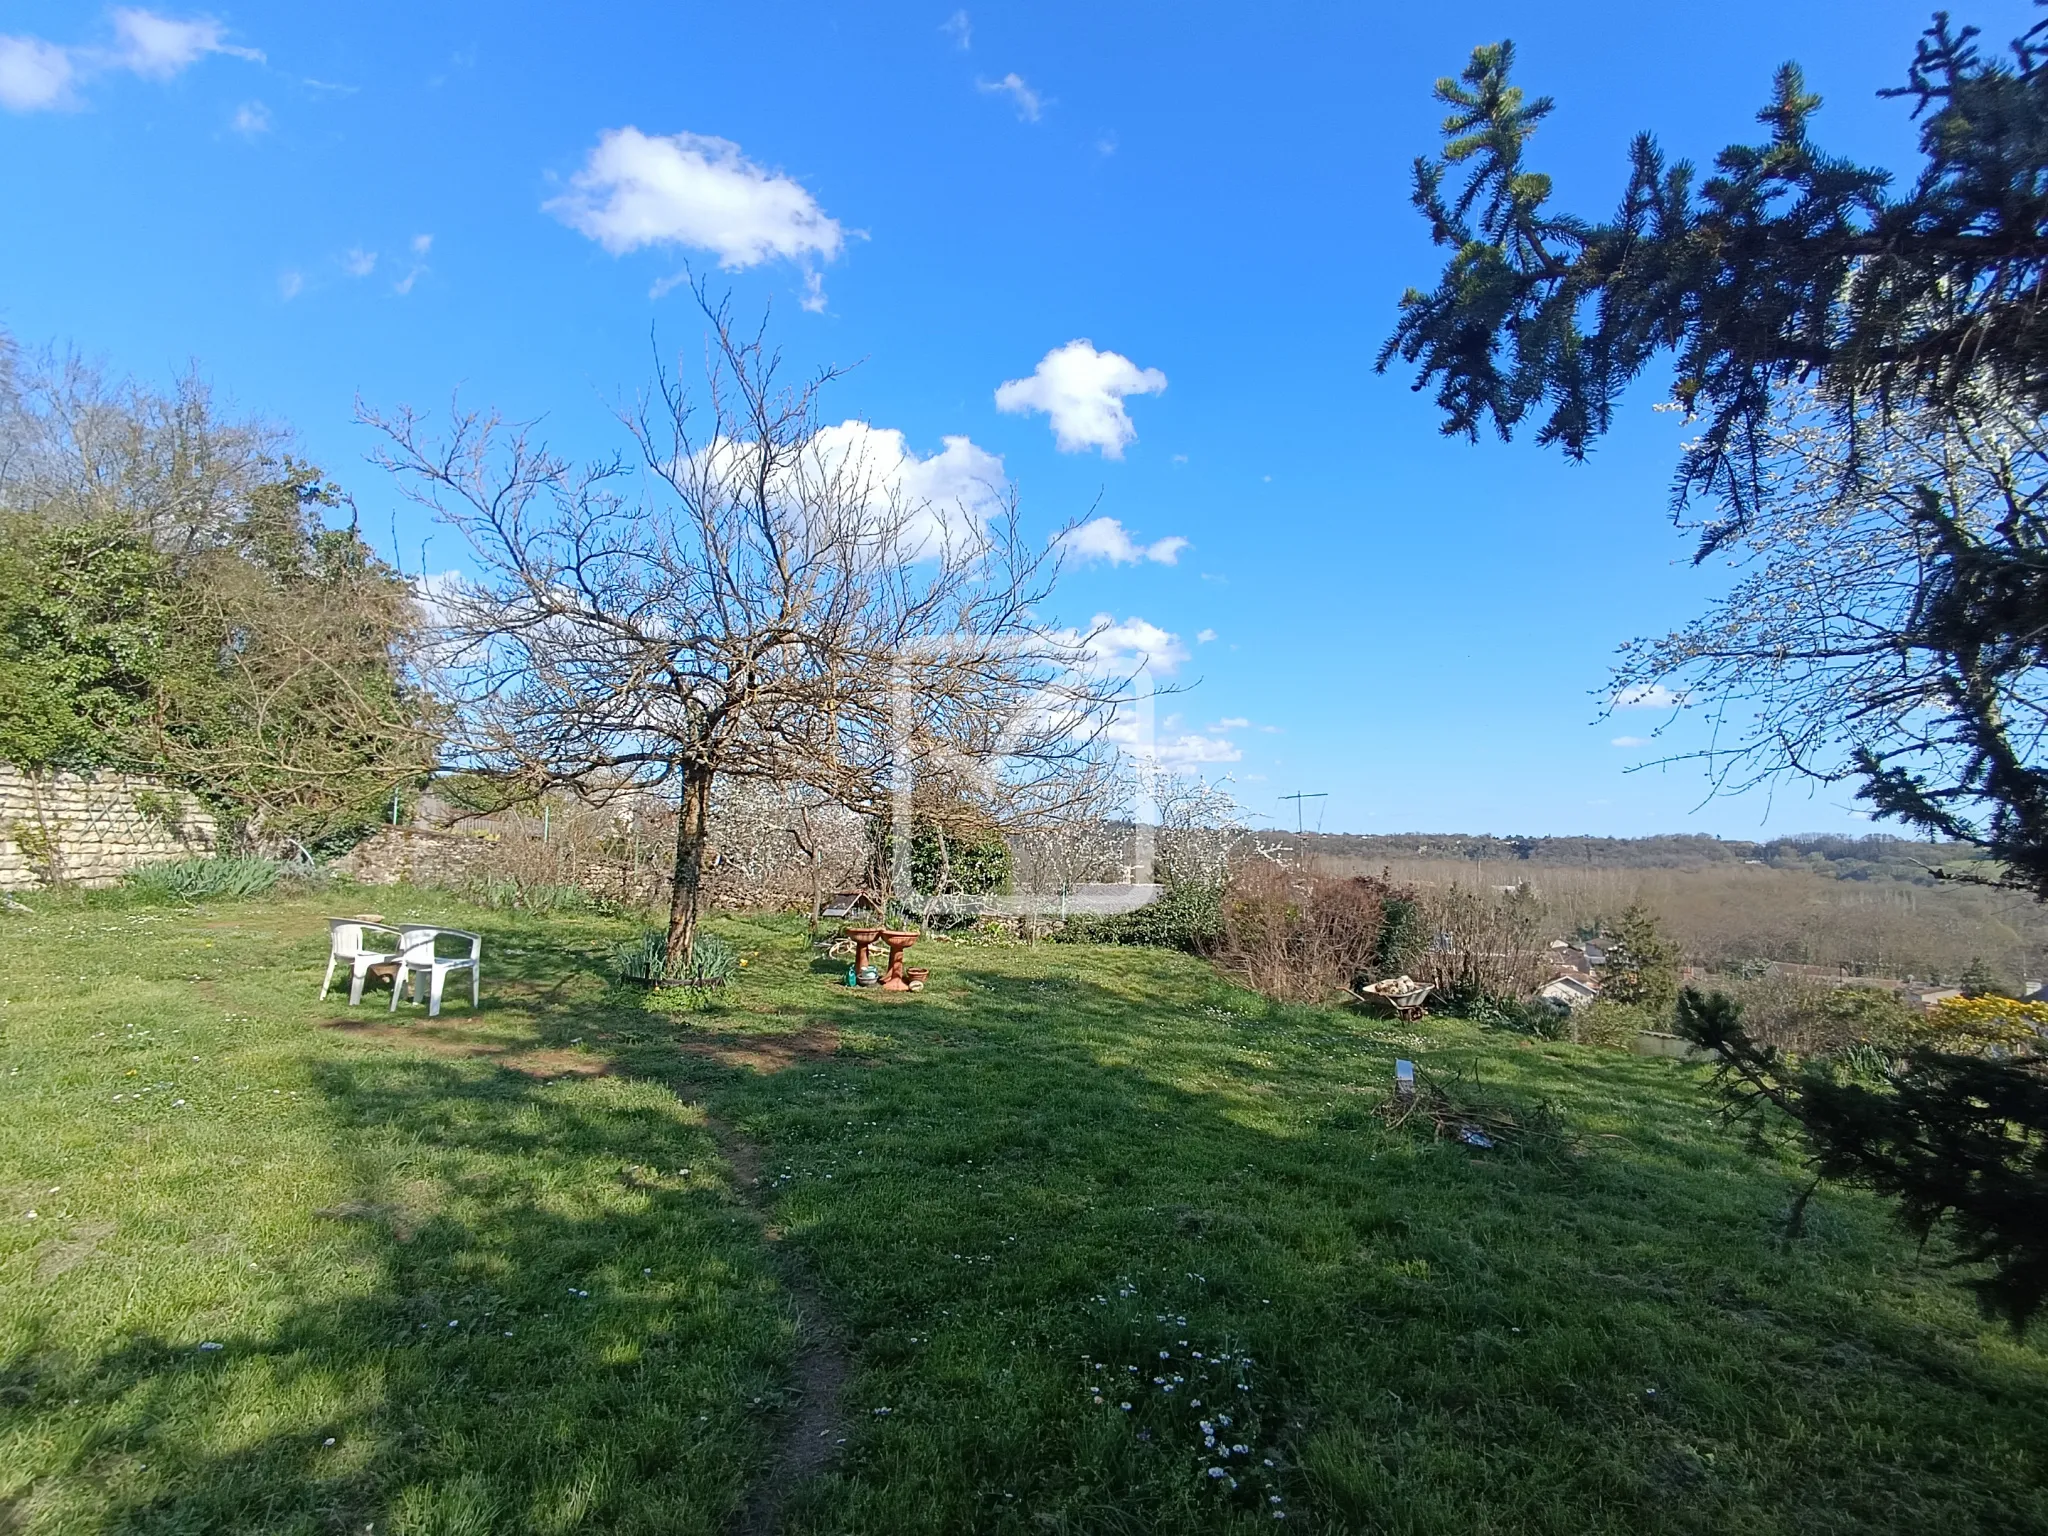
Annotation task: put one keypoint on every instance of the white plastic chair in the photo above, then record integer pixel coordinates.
(345, 943)
(417, 960)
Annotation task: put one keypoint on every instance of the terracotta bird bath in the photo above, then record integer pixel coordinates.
(892, 979)
(862, 938)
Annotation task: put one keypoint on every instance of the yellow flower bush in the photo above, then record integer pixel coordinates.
(1973, 1024)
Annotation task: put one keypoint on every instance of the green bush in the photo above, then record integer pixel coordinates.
(1188, 917)
(1809, 1020)
(1614, 1025)
(228, 878)
(1535, 1016)
(973, 863)
(711, 962)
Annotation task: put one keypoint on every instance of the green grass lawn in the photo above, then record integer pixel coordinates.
(1099, 1242)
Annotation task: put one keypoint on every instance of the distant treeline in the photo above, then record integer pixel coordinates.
(1876, 855)
(1870, 905)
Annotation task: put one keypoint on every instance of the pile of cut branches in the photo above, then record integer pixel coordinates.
(1463, 1111)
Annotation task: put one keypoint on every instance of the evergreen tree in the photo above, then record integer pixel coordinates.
(1979, 980)
(1960, 1142)
(1790, 264)
(1641, 969)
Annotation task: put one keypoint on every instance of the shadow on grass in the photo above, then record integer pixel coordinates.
(1050, 1161)
(531, 1319)
(1043, 1166)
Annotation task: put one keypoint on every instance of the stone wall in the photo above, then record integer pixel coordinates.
(87, 829)
(494, 849)
(417, 855)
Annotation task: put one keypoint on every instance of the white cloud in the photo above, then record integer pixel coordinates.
(1630, 741)
(290, 284)
(158, 47)
(1169, 745)
(38, 76)
(1123, 645)
(1232, 723)
(35, 76)
(436, 592)
(1176, 753)
(1030, 105)
(960, 29)
(359, 262)
(1203, 637)
(250, 119)
(420, 246)
(1083, 391)
(1648, 696)
(441, 597)
(1104, 538)
(695, 191)
(1166, 551)
(949, 494)
(1106, 145)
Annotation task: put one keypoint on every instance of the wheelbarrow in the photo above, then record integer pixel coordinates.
(1402, 995)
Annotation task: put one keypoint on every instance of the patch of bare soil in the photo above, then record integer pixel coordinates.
(56, 1255)
(460, 1044)
(755, 1052)
(764, 1053)
(411, 1206)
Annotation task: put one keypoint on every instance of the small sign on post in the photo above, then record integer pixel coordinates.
(1404, 1079)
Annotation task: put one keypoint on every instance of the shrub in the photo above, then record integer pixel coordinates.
(1971, 1026)
(1535, 1016)
(1297, 936)
(711, 962)
(1809, 1020)
(1481, 942)
(1613, 1025)
(1404, 936)
(228, 878)
(1187, 917)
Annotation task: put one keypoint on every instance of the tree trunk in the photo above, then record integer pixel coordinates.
(691, 833)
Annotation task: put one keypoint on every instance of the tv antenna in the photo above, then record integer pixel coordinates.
(1297, 799)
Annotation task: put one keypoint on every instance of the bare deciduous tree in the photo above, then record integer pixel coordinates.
(1855, 645)
(77, 445)
(761, 600)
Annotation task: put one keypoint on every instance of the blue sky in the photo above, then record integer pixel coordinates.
(393, 202)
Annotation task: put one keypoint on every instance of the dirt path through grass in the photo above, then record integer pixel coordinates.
(813, 1426)
(1079, 1239)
